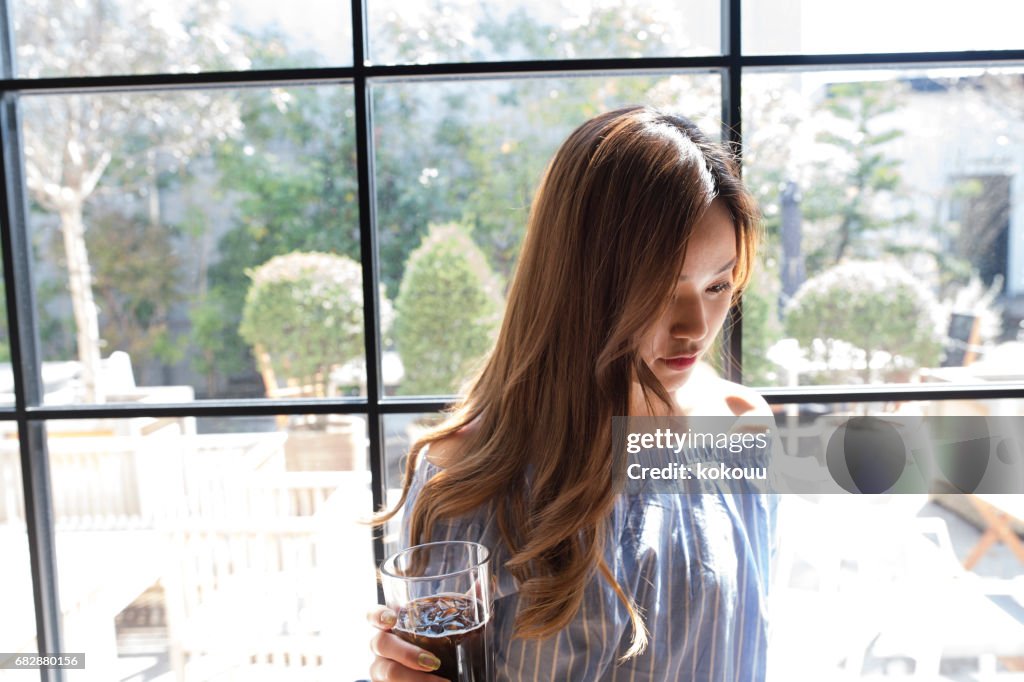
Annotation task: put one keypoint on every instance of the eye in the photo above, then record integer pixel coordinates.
(720, 288)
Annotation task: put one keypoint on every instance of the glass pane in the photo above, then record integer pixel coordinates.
(835, 26)
(461, 31)
(116, 37)
(400, 431)
(456, 167)
(214, 548)
(861, 582)
(18, 626)
(6, 374)
(214, 237)
(895, 248)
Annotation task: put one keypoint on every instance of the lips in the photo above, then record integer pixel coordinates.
(680, 361)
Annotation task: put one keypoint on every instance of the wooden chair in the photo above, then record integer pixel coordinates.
(998, 514)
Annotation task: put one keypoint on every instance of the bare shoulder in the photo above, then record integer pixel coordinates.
(706, 393)
(742, 400)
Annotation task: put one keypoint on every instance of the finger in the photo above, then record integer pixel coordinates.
(383, 670)
(382, 617)
(387, 645)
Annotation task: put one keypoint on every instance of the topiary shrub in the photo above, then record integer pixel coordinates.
(304, 311)
(871, 306)
(447, 311)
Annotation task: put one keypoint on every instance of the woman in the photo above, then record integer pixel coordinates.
(640, 238)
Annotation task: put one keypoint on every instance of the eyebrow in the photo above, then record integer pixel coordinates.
(724, 268)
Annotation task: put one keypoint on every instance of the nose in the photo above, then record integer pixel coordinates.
(689, 319)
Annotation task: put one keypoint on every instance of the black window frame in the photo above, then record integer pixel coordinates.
(31, 415)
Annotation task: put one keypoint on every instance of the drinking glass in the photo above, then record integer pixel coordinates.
(441, 592)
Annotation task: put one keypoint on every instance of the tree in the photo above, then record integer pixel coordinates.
(137, 293)
(285, 173)
(761, 327)
(447, 311)
(474, 152)
(305, 311)
(78, 145)
(770, 166)
(871, 306)
(291, 183)
(860, 175)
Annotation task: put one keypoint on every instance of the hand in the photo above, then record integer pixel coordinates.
(397, 660)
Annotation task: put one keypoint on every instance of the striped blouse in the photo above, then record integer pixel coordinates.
(696, 564)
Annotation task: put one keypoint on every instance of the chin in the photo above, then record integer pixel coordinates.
(676, 380)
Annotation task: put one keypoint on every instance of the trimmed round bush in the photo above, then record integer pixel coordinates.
(872, 306)
(306, 311)
(447, 312)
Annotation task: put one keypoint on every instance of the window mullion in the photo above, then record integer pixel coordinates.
(23, 338)
(368, 259)
(732, 130)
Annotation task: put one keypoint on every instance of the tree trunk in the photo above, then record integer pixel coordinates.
(87, 334)
(844, 239)
(793, 272)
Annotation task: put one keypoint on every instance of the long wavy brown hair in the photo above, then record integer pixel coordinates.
(604, 246)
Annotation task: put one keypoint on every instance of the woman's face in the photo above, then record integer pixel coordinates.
(682, 335)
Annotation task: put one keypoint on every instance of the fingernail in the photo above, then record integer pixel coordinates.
(388, 618)
(429, 661)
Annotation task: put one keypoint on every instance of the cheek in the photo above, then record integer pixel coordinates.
(720, 311)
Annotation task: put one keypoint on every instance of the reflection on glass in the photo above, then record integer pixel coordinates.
(114, 37)
(18, 626)
(860, 578)
(895, 248)
(835, 26)
(196, 244)
(224, 547)
(456, 167)
(460, 31)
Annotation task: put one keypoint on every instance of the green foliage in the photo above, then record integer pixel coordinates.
(859, 174)
(474, 153)
(56, 331)
(873, 306)
(761, 328)
(84, 144)
(217, 345)
(418, 162)
(306, 311)
(293, 188)
(447, 311)
(136, 294)
(282, 159)
(61, 39)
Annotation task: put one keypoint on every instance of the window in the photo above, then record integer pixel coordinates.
(461, 31)
(889, 179)
(229, 229)
(54, 39)
(875, 26)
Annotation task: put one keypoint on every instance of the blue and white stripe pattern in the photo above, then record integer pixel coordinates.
(696, 564)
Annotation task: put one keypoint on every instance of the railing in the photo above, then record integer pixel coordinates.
(133, 482)
(254, 562)
(262, 584)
